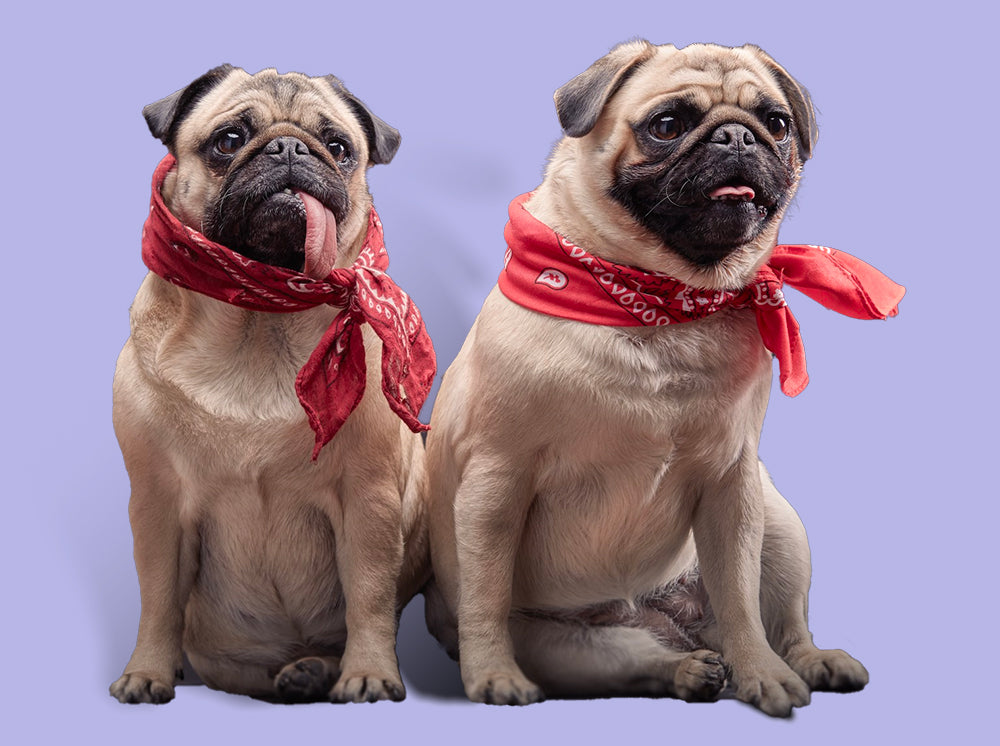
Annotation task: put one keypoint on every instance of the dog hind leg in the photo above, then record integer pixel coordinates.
(307, 679)
(234, 676)
(582, 660)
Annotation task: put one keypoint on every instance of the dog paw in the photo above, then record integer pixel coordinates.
(771, 687)
(829, 670)
(305, 680)
(504, 689)
(700, 677)
(138, 688)
(367, 688)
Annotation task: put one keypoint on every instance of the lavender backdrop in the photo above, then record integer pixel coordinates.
(888, 456)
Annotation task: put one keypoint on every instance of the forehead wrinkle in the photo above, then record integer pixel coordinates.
(268, 107)
(744, 88)
(707, 80)
(283, 89)
(689, 82)
(268, 101)
(234, 111)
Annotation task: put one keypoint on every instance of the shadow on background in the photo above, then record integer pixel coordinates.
(424, 664)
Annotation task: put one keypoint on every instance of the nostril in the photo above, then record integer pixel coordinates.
(720, 136)
(733, 136)
(286, 146)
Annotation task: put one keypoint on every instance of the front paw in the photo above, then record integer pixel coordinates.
(829, 670)
(136, 688)
(503, 689)
(359, 687)
(771, 686)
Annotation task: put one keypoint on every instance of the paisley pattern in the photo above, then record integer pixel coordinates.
(545, 272)
(332, 382)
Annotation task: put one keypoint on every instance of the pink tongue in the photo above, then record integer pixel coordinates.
(321, 237)
(735, 192)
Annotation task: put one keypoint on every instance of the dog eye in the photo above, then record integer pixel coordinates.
(777, 125)
(666, 127)
(338, 149)
(229, 140)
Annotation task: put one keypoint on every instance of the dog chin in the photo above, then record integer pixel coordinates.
(711, 233)
(275, 232)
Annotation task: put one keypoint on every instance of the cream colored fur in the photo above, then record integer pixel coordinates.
(252, 558)
(572, 464)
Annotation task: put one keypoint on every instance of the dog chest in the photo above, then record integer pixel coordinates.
(267, 556)
(628, 423)
(229, 363)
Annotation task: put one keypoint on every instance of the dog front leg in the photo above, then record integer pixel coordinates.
(490, 509)
(369, 558)
(785, 578)
(166, 559)
(729, 533)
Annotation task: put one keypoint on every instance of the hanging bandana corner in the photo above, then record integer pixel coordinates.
(332, 382)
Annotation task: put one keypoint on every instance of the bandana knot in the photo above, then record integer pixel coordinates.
(545, 272)
(332, 382)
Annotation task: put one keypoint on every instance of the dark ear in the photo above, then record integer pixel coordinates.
(799, 99)
(580, 102)
(164, 116)
(383, 139)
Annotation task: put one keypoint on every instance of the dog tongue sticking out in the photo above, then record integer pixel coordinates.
(321, 237)
(739, 193)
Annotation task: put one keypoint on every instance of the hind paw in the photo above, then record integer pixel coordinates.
(700, 677)
(306, 680)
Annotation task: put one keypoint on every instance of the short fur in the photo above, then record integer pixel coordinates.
(279, 577)
(588, 484)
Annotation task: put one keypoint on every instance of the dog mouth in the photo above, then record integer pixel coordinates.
(736, 193)
(320, 246)
(704, 209)
(280, 215)
(290, 228)
(732, 193)
(318, 252)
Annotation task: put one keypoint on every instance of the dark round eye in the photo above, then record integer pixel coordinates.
(229, 140)
(338, 149)
(666, 127)
(777, 125)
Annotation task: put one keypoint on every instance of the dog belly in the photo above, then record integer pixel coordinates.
(267, 588)
(610, 534)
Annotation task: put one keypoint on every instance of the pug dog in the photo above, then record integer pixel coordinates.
(281, 577)
(600, 521)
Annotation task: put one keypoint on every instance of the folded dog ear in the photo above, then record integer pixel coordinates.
(164, 116)
(803, 114)
(580, 102)
(383, 139)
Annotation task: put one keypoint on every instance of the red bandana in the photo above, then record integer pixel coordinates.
(332, 382)
(546, 273)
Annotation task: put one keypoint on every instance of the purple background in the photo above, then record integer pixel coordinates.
(885, 456)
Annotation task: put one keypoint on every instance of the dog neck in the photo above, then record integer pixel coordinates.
(212, 346)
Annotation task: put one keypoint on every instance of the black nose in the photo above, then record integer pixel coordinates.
(286, 148)
(733, 137)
